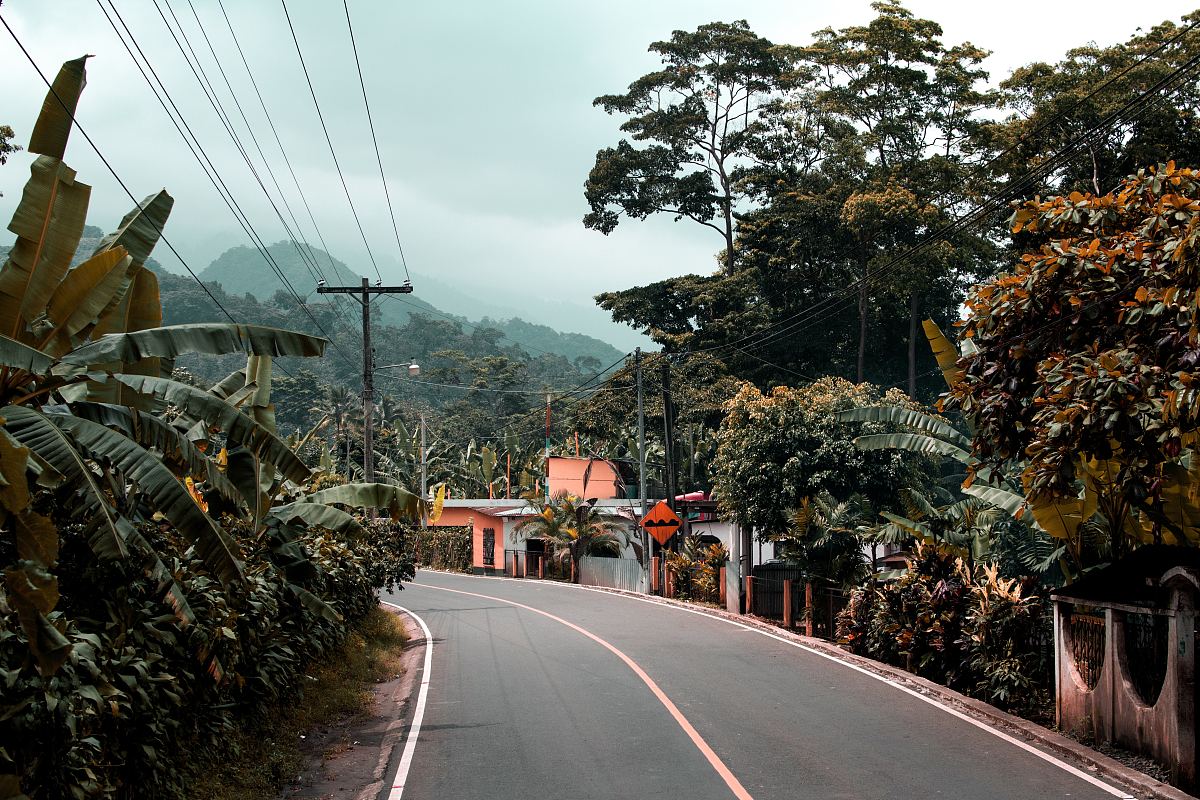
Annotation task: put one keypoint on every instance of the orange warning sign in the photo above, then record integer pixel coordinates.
(661, 522)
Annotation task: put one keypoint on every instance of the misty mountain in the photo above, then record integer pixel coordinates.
(241, 270)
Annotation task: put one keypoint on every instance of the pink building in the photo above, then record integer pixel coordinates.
(492, 521)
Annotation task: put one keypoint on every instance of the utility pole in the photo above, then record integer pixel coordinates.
(363, 295)
(647, 543)
(547, 447)
(668, 432)
(424, 470)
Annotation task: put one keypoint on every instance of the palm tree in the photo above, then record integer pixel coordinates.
(822, 537)
(573, 528)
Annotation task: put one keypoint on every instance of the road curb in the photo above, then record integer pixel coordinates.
(403, 699)
(1137, 783)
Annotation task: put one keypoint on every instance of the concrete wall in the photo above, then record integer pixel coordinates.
(1113, 711)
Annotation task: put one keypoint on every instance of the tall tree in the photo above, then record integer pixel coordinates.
(696, 115)
(913, 103)
(1052, 104)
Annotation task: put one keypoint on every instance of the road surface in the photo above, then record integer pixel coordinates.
(616, 698)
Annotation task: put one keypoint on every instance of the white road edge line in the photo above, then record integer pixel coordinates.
(410, 744)
(1113, 790)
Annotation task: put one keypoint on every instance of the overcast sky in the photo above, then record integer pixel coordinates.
(485, 116)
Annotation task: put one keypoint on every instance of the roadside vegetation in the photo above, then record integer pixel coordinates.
(172, 566)
(265, 754)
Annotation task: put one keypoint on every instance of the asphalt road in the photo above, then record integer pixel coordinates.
(524, 707)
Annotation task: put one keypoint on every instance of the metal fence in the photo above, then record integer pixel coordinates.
(611, 573)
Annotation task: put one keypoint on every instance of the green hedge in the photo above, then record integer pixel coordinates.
(142, 695)
(446, 548)
(969, 629)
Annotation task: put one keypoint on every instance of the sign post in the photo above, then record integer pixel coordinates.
(661, 523)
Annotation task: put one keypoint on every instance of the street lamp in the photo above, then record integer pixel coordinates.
(414, 369)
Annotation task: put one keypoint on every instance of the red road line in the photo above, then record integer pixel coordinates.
(723, 771)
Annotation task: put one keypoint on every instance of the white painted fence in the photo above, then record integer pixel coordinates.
(611, 573)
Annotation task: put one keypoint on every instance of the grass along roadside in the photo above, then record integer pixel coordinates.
(268, 752)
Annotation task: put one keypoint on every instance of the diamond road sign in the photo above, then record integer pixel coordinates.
(661, 522)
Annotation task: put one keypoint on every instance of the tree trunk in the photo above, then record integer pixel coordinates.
(914, 313)
(862, 328)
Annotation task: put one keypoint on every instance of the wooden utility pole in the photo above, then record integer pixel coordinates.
(668, 433)
(363, 295)
(648, 543)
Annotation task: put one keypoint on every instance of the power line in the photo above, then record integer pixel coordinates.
(328, 139)
(804, 319)
(467, 387)
(196, 148)
(371, 123)
(279, 142)
(110, 168)
(308, 258)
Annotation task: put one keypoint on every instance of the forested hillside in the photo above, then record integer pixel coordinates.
(244, 270)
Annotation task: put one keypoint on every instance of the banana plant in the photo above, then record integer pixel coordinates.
(90, 416)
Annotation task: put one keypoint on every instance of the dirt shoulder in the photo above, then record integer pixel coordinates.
(350, 757)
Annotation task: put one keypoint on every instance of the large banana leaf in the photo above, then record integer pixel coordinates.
(1059, 517)
(151, 432)
(318, 515)
(53, 126)
(162, 490)
(1011, 502)
(82, 297)
(137, 309)
(48, 223)
(199, 404)
(34, 430)
(210, 338)
(397, 500)
(944, 351)
(908, 417)
(141, 228)
(21, 356)
(914, 443)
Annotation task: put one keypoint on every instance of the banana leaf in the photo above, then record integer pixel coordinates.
(21, 356)
(48, 223)
(110, 535)
(141, 228)
(316, 515)
(1011, 502)
(82, 297)
(210, 338)
(53, 126)
(34, 430)
(914, 443)
(162, 490)
(944, 352)
(908, 417)
(199, 404)
(397, 500)
(151, 432)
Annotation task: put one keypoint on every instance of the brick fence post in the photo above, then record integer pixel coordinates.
(808, 609)
(787, 604)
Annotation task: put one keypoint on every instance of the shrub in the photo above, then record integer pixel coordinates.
(974, 632)
(697, 570)
(141, 693)
(446, 548)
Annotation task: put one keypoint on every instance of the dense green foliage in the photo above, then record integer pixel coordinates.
(775, 450)
(444, 547)
(170, 563)
(140, 695)
(970, 630)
